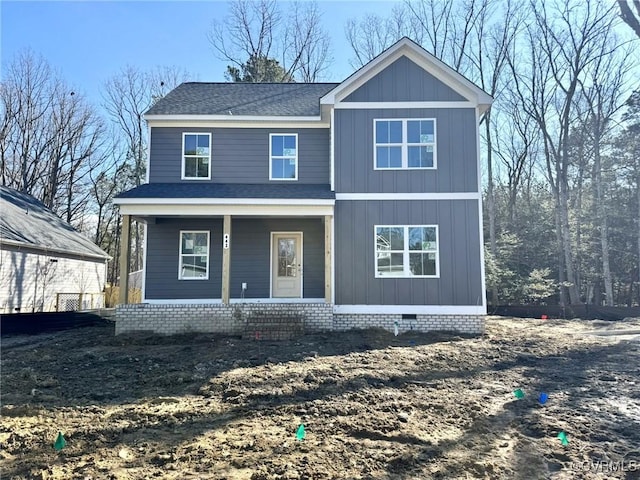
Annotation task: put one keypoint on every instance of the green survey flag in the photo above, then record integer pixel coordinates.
(519, 393)
(300, 433)
(563, 438)
(60, 442)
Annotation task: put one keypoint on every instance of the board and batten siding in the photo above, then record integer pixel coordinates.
(239, 155)
(250, 257)
(456, 153)
(404, 81)
(30, 279)
(460, 281)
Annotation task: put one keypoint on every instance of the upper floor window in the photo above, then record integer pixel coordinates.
(406, 251)
(194, 255)
(196, 156)
(404, 143)
(283, 156)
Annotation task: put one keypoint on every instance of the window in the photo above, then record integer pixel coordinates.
(194, 256)
(407, 251)
(283, 156)
(196, 156)
(404, 144)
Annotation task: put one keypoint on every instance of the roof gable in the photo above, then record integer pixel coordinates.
(404, 81)
(27, 222)
(418, 55)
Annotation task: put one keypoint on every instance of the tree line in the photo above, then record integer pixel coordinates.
(560, 146)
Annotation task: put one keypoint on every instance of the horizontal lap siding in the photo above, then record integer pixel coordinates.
(239, 155)
(460, 281)
(404, 81)
(250, 257)
(455, 144)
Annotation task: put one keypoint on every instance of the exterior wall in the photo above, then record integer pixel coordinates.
(30, 280)
(239, 155)
(456, 153)
(404, 81)
(250, 257)
(216, 318)
(473, 324)
(231, 319)
(460, 281)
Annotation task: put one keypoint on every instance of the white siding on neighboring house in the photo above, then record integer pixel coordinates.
(30, 282)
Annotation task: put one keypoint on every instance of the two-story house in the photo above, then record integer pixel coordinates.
(353, 204)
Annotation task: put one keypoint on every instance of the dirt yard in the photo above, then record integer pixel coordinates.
(374, 406)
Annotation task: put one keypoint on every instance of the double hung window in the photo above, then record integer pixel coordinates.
(404, 143)
(283, 156)
(196, 156)
(194, 255)
(406, 251)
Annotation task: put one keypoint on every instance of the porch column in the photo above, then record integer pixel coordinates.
(125, 255)
(226, 258)
(328, 276)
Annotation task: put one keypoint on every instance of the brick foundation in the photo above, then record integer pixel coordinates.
(233, 319)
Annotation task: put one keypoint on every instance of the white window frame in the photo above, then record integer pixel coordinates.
(271, 157)
(183, 156)
(404, 146)
(180, 254)
(406, 273)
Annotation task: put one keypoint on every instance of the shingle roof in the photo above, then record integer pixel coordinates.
(260, 99)
(26, 221)
(229, 190)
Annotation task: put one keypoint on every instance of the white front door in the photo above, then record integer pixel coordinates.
(286, 265)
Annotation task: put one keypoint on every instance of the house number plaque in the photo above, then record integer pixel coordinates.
(225, 241)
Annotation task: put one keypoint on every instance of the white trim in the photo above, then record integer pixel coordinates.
(404, 145)
(480, 213)
(222, 201)
(414, 52)
(273, 233)
(411, 309)
(47, 250)
(180, 254)
(143, 292)
(333, 259)
(254, 210)
(406, 264)
(332, 167)
(268, 124)
(282, 157)
(183, 301)
(182, 154)
(148, 153)
(392, 105)
(410, 196)
(217, 301)
(231, 118)
(277, 300)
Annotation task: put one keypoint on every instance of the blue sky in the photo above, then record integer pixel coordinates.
(90, 41)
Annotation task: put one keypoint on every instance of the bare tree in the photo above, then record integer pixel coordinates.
(258, 32)
(630, 17)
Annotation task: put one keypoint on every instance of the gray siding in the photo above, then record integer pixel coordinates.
(239, 155)
(460, 281)
(404, 81)
(250, 257)
(455, 145)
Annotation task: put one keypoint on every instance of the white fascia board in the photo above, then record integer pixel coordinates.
(48, 251)
(411, 309)
(388, 105)
(187, 210)
(409, 196)
(244, 121)
(422, 58)
(223, 201)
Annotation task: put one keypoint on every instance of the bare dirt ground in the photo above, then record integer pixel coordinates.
(374, 406)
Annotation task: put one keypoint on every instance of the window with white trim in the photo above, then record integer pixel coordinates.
(194, 255)
(196, 156)
(283, 156)
(404, 143)
(406, 251)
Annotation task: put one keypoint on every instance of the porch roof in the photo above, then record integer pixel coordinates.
(190, 190)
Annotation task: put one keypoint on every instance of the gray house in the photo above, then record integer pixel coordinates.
(45, 265)
(352, 204)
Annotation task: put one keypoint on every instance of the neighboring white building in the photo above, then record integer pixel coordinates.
(45, 264)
